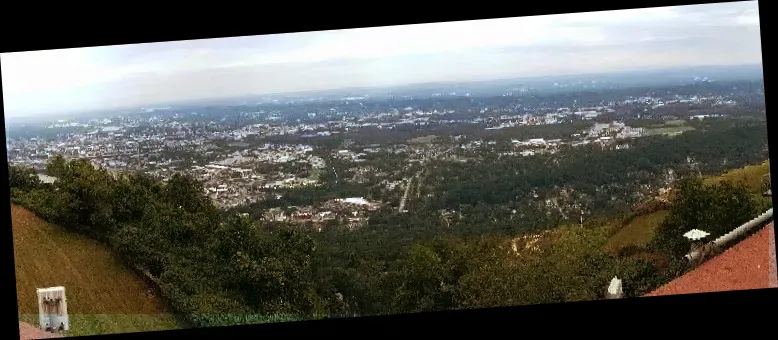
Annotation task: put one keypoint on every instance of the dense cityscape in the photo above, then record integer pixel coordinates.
(393, 200)
(246, 154)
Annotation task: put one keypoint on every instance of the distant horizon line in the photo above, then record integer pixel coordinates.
(371, 87)
(442, 82)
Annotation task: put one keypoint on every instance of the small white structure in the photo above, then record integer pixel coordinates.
(355, 200)
(614, 289)
(53, 309)
(46, 178)
(697, 246)
(696, 234)
(537, 141)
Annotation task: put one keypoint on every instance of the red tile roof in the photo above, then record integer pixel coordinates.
(749, 264)
(29, 332)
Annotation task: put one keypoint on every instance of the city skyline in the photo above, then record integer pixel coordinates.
(42, 82)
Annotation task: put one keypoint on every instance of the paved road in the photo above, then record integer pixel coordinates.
(404, 200)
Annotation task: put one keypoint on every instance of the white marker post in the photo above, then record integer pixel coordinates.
(614, 289)
(53, 309)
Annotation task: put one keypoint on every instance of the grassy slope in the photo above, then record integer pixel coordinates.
(103, 295)
(750, 175)
(640, 231)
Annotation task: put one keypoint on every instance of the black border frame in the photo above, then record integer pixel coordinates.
(64, 30)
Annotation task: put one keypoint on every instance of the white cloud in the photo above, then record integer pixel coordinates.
(45, 70)
(450, 37)
(555, 43)
(750, 18)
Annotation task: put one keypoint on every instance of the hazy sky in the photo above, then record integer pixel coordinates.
(136, 75)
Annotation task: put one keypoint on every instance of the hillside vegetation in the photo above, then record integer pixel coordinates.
(755, 178)
(639, 231)
(751, 176)
(103, 295)
(220, 268)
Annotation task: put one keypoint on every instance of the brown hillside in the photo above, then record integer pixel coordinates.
(103, 295)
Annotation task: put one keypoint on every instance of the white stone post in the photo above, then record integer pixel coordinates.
(614, 289)
(53, 309)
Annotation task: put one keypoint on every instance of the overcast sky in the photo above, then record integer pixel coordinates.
(142, 74)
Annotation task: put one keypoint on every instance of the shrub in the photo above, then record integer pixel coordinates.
(716, 209)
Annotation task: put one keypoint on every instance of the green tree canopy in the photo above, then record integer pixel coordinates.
(716, 209)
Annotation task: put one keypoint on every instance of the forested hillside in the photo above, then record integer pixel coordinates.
(226, 268)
